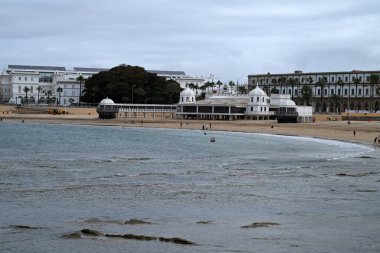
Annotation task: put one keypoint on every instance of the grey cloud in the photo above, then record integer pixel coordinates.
(229, 39)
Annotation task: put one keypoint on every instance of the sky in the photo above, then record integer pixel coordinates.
(229, 39)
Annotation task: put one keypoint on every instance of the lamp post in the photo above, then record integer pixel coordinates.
(132, 92)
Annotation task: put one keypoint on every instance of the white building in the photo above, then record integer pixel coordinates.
(43, 83)
(256, 105)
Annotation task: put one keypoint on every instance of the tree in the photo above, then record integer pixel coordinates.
(241, 89)
(322, 84)
(59, 90)
(292, 82)
(336, 99)
(26, 90)
(117, 84)
(80, 79)
(281, 81)
(48, 93)
(39, 88)
(219, 83)
(374, 83)
(306, 94)
(231, 84)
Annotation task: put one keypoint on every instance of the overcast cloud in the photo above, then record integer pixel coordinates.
(227, 38)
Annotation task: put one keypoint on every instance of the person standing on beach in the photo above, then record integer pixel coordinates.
(354, 132)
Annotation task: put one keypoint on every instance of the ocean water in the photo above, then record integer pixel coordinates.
(317, 195)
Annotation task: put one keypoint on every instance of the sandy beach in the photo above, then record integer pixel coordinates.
(366, 131)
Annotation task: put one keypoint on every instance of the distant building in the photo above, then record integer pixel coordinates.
(332, 92)
(43, 82)
(60, 85)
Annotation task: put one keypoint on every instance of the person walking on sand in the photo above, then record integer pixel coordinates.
(354, 132)
(375, 141)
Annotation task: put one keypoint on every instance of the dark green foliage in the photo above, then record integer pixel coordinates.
(119, 82)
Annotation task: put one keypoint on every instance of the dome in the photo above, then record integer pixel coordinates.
(257, 92)
(107, 101)
(187, 92)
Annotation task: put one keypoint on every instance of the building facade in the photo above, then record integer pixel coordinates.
(43, 84)
(331, 92)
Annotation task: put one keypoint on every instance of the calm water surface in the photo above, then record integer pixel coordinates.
(59, 179)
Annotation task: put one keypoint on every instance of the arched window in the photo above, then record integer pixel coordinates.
(258, 99)
(263, 99)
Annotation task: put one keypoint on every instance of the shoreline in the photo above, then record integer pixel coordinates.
(366, 131)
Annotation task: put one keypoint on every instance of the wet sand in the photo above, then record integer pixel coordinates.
(336, 130)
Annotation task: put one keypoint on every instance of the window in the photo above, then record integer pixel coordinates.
(192, 99)
(19, 78)
(345, 92)
(367, 91)
(367, 78)
(353, 78)
(302, 80)
(257, 99)
(31, 89)
(360, 91)
(19, 88)
(352, 91)
(319, 92)
(182, 99)
(340, 78)
(325, 92)
(339, 92)
(251, 108)
(296, 92)
(346, 79)
(290, 91)
(332, 79)
(332, 92)
(251, 99)
(261, 109)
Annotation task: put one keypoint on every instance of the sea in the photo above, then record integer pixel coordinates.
(245, 192)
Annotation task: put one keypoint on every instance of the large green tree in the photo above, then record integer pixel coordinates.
(119, 82)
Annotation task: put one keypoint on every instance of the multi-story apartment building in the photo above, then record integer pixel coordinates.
(331, 91)
(42, 83)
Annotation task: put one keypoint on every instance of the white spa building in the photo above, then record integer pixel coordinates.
(257, 105)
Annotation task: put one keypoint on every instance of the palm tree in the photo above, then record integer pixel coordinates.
(241, 89)
(26, 90)
(374, 81)
(48, 93)
(322, 84)
(306, 94)
(281, 82)
(231, 84)
(59, 90)
(336, 99)
(80, 79)
(39, 88)
(274, 82)
(219, 83)
(356, 81)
